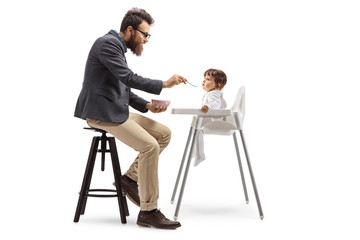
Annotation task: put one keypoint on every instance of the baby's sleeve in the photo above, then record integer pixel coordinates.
(213, 101)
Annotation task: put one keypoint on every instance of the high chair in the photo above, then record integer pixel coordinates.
(217, 122)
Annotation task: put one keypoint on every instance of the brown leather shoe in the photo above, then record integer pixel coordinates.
(157, 220)
(131, 190)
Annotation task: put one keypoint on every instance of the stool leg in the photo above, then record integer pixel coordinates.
(117, 174)
(125, 204)
(123, 198)
(87, 179)
(103, 150)
(87, 187)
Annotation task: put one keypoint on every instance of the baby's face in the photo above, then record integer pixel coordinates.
(208, 83)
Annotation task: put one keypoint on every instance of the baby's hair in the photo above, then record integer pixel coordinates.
(218, 75)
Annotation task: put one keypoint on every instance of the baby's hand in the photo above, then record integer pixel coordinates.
(205, 109)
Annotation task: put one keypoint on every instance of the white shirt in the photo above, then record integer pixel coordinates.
(214, 100)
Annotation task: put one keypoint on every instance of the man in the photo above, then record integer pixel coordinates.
(104, 102)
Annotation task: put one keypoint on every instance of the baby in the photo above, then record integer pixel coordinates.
(213, 83)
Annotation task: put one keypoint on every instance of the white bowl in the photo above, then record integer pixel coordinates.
(160, 103)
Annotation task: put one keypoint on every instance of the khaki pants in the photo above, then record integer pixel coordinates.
(149, 138)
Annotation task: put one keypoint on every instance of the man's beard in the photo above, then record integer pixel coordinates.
(135, 47)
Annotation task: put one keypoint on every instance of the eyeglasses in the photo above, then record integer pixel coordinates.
(145, 34)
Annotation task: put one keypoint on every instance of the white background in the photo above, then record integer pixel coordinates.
(299, 61)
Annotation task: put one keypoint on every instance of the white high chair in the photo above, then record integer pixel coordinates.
(218, 122)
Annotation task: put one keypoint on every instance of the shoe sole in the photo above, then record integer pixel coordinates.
(128, 196)
(149, 225)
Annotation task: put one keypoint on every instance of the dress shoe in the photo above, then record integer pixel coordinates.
(130, 187)
(157, 220)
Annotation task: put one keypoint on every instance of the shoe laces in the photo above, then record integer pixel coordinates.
(159, 214)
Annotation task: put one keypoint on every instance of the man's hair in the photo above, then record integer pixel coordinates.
(219, 77)
(134, 17)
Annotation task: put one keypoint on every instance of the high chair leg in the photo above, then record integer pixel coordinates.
(252, 176)
(241, 168)
(185, 174)
(181, 165)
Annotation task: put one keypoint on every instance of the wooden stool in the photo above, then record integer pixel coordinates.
(85, 191)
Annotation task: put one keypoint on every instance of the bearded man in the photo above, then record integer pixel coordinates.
(104, 103)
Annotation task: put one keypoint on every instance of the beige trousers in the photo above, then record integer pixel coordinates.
(149, 138)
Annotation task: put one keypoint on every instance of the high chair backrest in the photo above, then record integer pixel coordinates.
(238, 107)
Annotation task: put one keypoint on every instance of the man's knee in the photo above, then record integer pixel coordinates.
(166, 135)
(152, 146)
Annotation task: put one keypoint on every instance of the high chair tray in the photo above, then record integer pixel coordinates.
(198, 112)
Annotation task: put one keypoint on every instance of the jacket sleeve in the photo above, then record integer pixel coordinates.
(112, 57)
(138, 103)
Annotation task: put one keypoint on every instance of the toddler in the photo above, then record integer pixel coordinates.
(213, 83)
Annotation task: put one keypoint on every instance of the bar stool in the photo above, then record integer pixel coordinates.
(85, 191)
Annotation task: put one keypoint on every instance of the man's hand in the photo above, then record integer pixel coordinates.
(154, 108)
(174, 80)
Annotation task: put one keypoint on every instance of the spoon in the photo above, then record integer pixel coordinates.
(191, 84)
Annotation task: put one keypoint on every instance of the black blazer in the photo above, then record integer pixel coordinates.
(106, 90)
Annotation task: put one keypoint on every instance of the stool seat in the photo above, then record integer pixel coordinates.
(85, 191)
(95, 129)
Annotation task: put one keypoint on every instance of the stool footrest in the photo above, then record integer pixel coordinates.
(101, 195)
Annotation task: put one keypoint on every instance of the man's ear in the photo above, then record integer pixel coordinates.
(129, 30)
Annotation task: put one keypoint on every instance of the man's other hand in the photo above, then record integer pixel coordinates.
(155, 108)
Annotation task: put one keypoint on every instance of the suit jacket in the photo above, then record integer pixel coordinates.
(106, 91)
